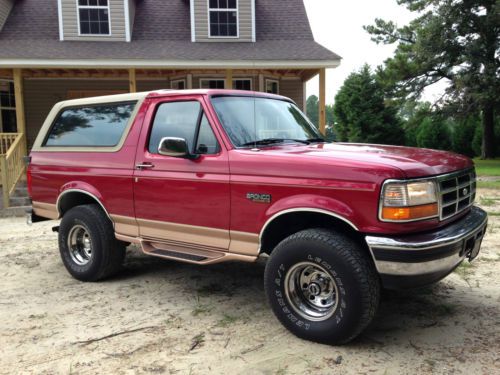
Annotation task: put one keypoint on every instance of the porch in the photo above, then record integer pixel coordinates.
(33, 91)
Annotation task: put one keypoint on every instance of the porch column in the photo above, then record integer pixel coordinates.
(322, 101)
(229, 79)
(19, 96)
(261, 83)
(189, 81)
(132, 82)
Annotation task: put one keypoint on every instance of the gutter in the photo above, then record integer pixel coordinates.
(162, 64)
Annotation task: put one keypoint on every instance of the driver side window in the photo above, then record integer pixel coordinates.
(206, 142)
(183, 120)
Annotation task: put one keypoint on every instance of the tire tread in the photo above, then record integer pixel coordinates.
(357, 259)
(113, 251)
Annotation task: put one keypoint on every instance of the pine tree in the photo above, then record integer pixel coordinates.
(362, 114)
(457, 41)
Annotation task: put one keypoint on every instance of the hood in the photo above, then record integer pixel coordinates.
(413, 162)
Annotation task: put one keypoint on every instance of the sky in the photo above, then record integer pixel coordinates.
(338, 25)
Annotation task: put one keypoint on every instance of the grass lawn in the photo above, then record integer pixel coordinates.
(489, 184)
(487, 167)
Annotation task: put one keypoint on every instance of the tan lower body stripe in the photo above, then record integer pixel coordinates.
(47, 210)
(182, 234)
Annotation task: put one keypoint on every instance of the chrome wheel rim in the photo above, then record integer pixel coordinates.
(311, 291)
(80, 245)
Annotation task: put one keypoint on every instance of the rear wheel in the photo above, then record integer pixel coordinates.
(322, 286)
(87, 243)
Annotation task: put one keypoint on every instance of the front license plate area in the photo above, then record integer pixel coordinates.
(473, 245)
(475, 250)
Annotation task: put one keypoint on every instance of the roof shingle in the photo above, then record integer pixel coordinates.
(162, 31)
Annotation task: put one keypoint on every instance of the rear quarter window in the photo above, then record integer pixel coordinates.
(99, 125)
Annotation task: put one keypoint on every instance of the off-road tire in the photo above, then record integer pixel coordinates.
(107, 253)
(348, 266)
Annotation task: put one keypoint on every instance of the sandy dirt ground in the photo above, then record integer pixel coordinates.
(162, 317)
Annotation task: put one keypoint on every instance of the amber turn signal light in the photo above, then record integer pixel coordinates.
(410, 213)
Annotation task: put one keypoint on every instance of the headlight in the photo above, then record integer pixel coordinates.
(408, 201)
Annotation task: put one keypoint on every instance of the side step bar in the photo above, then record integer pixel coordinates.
(177, 255)
(188, 253)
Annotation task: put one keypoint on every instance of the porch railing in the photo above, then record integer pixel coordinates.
(6, 140)
(11, 163)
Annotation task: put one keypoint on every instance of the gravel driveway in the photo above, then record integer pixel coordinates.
(162, 317)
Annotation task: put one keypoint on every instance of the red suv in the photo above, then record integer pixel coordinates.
(208, 176)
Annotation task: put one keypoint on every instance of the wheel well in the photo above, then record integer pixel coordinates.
(76, 198)
(290, 223)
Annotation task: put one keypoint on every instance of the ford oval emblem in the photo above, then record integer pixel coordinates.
(464, 192)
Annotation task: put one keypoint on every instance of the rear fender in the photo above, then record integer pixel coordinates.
(84, 188)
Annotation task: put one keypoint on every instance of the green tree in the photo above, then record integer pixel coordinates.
(362, 114)
(312, 109)
(453, 40)
(433, 132)
(330, 122)
(413, 114)
(464, 131)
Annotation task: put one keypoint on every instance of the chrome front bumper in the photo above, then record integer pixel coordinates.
(419, 259)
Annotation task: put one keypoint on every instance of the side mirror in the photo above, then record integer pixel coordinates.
(175, 147)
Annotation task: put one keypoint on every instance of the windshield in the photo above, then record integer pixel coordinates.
(254, 120)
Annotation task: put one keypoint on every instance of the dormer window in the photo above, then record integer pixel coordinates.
(93, 17)
(223, 18)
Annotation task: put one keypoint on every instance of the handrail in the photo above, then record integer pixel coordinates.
(6, 140)
(11, 166)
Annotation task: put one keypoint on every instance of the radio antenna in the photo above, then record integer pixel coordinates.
(254, 120)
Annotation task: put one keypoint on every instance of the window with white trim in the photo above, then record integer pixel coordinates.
(178, 84)
(223, 18)
(210, 83)
(272, 86)
(242, 84)
(93, 17)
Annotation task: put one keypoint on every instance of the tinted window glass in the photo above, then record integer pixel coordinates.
(207, 143)
(176, 119)
(92, 126)
(249, 119)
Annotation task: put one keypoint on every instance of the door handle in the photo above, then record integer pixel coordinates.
(144, 166)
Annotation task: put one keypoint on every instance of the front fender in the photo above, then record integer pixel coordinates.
(312, 203)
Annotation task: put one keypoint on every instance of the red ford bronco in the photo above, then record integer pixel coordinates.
(208, 176)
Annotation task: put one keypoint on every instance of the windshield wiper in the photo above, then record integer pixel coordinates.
(270, 141)
(315, 140)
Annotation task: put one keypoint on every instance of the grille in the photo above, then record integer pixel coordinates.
(457, 192)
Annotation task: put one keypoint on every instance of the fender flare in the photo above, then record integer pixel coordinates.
(76, 190)
(308, 203)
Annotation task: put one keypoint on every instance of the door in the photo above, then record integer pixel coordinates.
(178, 199)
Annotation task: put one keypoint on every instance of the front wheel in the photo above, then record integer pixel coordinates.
(322, 286)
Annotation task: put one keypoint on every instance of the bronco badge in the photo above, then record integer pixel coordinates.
(259, 198)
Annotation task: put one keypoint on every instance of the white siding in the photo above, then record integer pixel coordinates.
(117, 24)
(244, 16)
(5, 8)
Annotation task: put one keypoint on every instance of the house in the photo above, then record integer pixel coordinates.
(52, 50)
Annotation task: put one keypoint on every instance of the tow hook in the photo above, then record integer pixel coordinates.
(55, 229)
